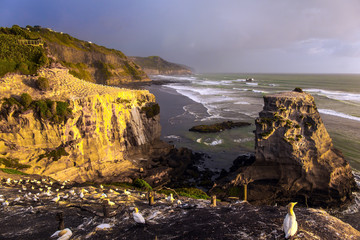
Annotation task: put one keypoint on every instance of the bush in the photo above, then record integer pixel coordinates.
(151, 110)
(43, 84)
(298, 90)
(142, 184)
(26, 100)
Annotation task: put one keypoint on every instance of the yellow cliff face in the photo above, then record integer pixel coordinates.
(90, 145)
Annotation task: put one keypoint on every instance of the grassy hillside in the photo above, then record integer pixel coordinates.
(85, 60)
(157, 65)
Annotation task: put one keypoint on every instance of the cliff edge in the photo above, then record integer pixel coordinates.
(76, 130)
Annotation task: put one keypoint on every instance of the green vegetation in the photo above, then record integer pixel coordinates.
(142, 184)
(218, 127)
(53, 111)
(156, 62)
(17, 57)
(12, 171)
(26, 100)
(133, 71)
(151, 110)
(79, 70)
(267, 133)
(43, 84)
(54, 155)
(188, 192)
(13, 163)
(234, 191)
(298, 90)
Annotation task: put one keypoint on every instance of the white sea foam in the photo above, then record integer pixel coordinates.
(258, 91)
(180, 78)
(172, 136)
(241, 140)
(252, 83)
(213, 142)
(242, 103)
(273, 85)
(338, 114)
(337, 95)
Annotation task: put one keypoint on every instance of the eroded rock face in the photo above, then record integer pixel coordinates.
(89, 146)
(293, 147)
(295, 156)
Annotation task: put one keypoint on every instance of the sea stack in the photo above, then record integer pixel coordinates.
(295, 152)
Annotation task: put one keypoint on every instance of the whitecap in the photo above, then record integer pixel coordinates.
(241, 140)
(242, 103)
(214, 142)
(252, 83)
(338, 114)
(172, 136)
(337, 95)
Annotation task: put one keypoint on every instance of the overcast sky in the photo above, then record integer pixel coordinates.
(303, 36)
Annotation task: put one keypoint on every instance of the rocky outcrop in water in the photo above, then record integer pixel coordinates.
(295, 157)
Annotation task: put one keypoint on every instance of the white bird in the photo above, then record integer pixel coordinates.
(138, 217)
(101, 186)
(81, 195)
(127, 192)
(178, 201)
(6, 203)
(290, 225)
(64, 234)
(170, 198)
(110, 202)
(56, 199)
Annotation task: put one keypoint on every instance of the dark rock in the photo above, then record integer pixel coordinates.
(218, 127)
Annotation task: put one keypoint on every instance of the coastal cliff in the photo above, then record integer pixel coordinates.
(155, 65)
(294, 155)
(25, 50)
(89, 144)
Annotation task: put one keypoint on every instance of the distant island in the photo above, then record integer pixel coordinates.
(155, 65)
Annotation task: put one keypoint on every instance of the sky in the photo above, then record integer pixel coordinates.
(244, 36)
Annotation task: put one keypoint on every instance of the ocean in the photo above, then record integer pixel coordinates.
(186, 101)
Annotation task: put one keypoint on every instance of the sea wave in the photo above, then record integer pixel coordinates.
(337, 95)
(214, 142)
(252, 83)
(180, 78)
(241, 140)
(338, 114)
(172, 136)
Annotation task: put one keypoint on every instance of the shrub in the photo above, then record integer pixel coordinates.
(298, 90)
(43, 84)
(142, 184)
(151, 110)
(13, 163)
(26, 100)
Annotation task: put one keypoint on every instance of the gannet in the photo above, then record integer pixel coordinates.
(170, 198)
(290, 225)
(178, 201)
(56, 199)
(138, 217)
(81, 195)
(101, 186)
(110, 202)
(127, 192)
(6, 203)
(64, 234)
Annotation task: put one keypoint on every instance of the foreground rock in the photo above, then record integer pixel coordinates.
(295, 157)
(218, 127)
(26, 218)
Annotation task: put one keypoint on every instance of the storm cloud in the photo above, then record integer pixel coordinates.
(312, 36)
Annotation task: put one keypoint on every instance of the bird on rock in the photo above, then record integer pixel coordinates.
(64, 234)
(290, 224)
(138, 217)
(170, 198)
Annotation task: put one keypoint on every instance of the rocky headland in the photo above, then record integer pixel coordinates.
(155, 65)
(294, 157)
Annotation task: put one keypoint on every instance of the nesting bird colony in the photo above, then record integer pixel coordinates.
(40, 208)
